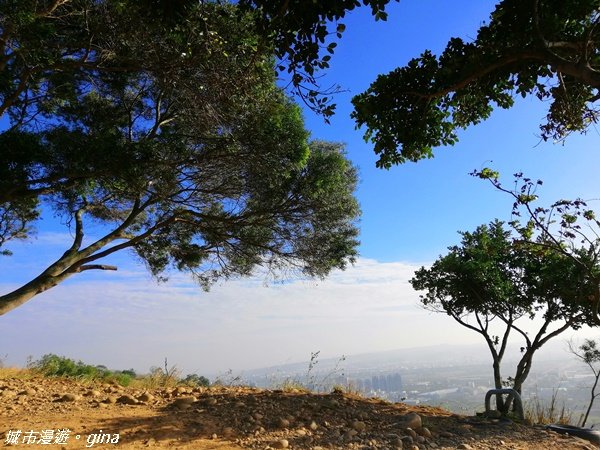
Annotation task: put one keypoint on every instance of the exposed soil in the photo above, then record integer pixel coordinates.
(236, 418)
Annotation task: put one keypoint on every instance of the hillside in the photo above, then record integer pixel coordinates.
(92, 415)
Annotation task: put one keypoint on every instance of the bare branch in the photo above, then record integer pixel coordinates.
(96, 267)
(51, 8)
(506, 335)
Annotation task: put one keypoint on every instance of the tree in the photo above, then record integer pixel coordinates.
(196, 380)
(172, 134)
(546, 48)
(52, 50)
(493, 286)
(300, 32)
(567, 227)
(589, 354)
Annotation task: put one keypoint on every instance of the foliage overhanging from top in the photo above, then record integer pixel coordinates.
(162, 121)
(302, 37)
(549, 49)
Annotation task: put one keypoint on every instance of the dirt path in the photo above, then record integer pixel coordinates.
(61, 414)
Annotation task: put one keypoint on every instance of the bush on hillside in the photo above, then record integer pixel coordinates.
(51, 365)
(196, 380)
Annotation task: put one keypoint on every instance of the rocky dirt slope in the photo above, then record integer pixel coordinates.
(62, 414)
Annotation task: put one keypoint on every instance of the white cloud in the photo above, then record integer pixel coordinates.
(126, 320)
(129, 321)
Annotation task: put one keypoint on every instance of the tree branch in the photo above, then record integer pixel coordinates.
(584, 73)
(21, 87)
(136, 209)
(522, 333)
(130, 243)
(78, 233)
(465, 324)
(51, 8)
(506, 335)
(95, 267)
(556, 332)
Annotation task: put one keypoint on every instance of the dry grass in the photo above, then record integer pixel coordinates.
(348, 388)
(291, 385)
(158, 378)
(15, 372)
(543, 413)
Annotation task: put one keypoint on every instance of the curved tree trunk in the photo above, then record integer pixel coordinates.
(593, 397)
(77, 259)
(523, 369)
(41, 283)
(19, 296)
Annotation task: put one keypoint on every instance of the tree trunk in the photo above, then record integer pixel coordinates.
(593, 397)
(45, 281)
(19, 296)
(523, 369)
(498, 384)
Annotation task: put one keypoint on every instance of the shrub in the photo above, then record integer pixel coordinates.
(51, 365)
(196, 380)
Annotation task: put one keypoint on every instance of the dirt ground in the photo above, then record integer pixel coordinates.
(62, 414)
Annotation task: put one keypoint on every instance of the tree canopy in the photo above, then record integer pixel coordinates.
(543, 48)
(492, 285)
(567, 227)
(301, 32)
(169, 130)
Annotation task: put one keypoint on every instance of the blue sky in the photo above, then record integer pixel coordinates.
(411, 213)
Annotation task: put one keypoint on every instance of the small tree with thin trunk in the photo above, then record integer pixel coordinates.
(493, 286)
(589, 354)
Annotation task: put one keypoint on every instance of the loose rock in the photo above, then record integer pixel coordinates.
(93, 393)
(359, 426)
(410, 420)
(253, 419)
(27, 392)
(69, 398)
(145, 397)
(127, 400)
(281, 443)
(183, 402)
(422, 431)
(284, 423)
